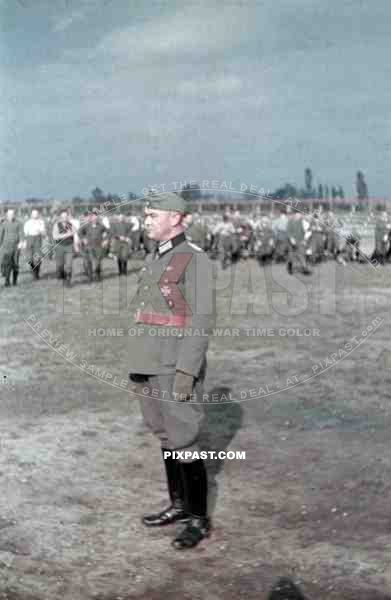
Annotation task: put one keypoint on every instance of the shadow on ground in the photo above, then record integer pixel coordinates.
(221, 422)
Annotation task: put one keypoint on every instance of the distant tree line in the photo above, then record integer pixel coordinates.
(320, 191)
(193, 192)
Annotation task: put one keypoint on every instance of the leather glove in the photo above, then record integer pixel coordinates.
(183, 386)
(138, 383)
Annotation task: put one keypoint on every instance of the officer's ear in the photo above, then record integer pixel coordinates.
(176, 218)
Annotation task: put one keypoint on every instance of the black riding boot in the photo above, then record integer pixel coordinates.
(175, 512)
(196, 493)
(14, 277)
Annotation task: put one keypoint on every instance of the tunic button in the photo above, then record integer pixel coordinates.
(142, 303)
(170, 303)
(166, 281)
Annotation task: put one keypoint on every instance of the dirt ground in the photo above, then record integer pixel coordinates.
(311, 501)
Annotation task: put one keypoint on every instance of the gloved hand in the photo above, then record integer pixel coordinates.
(138, 383)
(183, 386)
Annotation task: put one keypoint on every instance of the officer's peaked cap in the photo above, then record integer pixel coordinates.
(167, 201)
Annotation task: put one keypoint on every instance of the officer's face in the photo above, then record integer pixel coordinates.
(160, 224)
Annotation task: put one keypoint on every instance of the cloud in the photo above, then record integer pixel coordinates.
(202, 30)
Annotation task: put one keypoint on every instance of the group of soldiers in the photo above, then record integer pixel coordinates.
(63, 237)
(297, 238)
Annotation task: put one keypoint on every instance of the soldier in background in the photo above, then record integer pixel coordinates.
(332, 239)
(226, 240)
(280, 227)
(264, 244)
(121, 242)
(381, 238)
(168, 371)
(135, 234)
(352, 248)
(35, 233)
(318, 239)
(66, 240)
(198, 233)
(93, 242)
(11, 242)
(297, 236)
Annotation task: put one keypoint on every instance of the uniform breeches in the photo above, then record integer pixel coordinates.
(176, 424)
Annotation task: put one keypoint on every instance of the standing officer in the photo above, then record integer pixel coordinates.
(35, 232)
(11, 241)
(66, 239)
(168, 369)
(93, 240)
(121, 245)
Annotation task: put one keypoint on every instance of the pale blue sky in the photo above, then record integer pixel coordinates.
(126, 94)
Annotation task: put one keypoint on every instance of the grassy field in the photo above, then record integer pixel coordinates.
(312, 498)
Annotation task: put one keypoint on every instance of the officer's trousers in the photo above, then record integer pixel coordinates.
(176, 424)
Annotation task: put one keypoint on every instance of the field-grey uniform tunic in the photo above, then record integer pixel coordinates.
(174, 303)
(11, 233)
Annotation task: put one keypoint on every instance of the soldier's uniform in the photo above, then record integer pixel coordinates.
(352, 247)
(264, 244)
(64, 249)
(281, 238)
(297, 246)
(381, 239)
(93, 236)
(135, 234)
(227, 241)
(34, 231)
(121, 244)
(174, 302)
(11, 234)
(198, 234)
(317, 240)
(332, 238)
